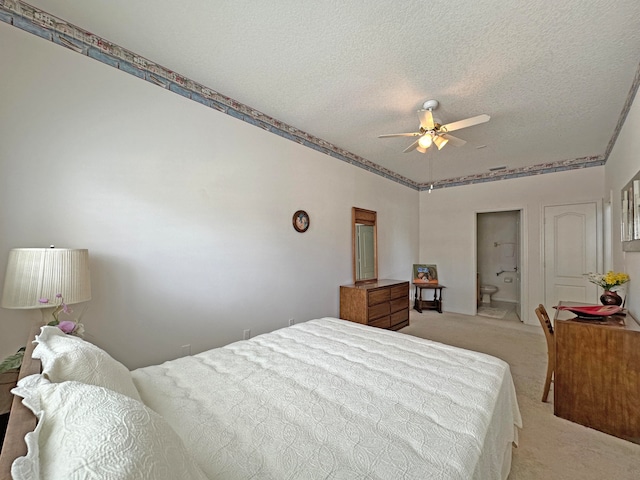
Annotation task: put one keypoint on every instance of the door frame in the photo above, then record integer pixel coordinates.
(523, 257)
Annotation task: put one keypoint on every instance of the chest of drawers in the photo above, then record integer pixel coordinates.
(383, 304)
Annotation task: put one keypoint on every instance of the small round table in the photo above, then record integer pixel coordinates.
(434, 304)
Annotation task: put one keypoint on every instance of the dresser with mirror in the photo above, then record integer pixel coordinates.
(382, 303)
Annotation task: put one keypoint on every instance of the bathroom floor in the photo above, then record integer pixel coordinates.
(503, 311)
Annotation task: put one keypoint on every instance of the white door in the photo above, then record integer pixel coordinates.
(570, 251)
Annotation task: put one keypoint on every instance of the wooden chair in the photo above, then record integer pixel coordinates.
(541, 312)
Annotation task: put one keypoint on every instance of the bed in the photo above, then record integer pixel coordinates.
(324, 399)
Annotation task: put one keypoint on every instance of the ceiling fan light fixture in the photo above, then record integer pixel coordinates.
(432, 131)
(440, 141)
(425, 141)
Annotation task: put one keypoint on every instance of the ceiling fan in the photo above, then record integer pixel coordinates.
(433, 132)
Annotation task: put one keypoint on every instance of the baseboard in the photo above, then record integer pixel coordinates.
(494, 299)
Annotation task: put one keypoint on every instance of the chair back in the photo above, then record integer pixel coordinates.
(547, 326)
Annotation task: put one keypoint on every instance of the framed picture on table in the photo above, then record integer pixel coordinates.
(425, 273)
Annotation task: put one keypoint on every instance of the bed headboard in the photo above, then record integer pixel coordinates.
(21, 419)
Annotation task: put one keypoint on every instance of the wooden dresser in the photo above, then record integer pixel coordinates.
(597, 375)
(383, 304)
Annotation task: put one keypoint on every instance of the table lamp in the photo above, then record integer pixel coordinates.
(38, 273)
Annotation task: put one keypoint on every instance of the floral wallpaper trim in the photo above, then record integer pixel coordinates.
(560, 166)
(35, 21)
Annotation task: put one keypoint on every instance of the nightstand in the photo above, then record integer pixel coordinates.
(435, 303)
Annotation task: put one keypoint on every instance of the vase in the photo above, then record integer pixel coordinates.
(610, 298)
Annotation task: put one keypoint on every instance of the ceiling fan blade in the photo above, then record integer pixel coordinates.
(468, 122)
(411, 147)
(413, 134)
(426, 119)
(455, 141)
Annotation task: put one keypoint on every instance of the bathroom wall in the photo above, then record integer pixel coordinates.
(499, 228)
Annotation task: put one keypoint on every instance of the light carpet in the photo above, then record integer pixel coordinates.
(549, 447)
(491, 312)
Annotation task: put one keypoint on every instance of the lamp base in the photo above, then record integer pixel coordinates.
(47, 315)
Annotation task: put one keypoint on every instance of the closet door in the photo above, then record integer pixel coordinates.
(570, 251)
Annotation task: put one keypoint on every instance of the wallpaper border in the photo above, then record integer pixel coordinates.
(33, 20)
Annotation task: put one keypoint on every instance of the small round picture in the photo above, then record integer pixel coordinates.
(301, 221)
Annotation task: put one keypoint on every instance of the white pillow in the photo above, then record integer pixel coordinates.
(67, 357)
(89, 432)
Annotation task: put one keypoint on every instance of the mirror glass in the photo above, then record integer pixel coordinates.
(365, 251)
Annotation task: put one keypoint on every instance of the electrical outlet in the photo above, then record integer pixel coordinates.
(292, 321)
(185, 350)
(246, 334)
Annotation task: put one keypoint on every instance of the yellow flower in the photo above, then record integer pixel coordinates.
(608, 280)
(616, 278)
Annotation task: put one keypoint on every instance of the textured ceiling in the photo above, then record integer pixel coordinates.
(553, 76)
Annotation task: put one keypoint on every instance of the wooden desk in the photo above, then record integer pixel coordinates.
(597, 375)
(435, 303)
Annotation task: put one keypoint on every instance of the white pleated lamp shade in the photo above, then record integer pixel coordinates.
(36, 273)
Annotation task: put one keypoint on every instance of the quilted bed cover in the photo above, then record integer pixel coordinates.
(331, 399)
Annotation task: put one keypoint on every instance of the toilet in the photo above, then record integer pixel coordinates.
(487, 291)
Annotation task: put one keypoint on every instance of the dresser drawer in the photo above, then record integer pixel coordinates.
(399, 317)
(383, 303)
(399, 304)
(400, 291)
(378, 311)
(379, 296)
(384, 322)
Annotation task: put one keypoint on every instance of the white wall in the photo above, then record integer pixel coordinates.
(622, 165)
(448, 229)
(186, 211)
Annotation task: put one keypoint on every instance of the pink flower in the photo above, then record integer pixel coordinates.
(43, 300)
(67, 326)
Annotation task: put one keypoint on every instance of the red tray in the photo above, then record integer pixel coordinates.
(592, 311)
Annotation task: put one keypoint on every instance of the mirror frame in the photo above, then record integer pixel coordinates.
(364, 217)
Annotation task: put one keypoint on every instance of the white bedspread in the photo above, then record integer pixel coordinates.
(331, 399)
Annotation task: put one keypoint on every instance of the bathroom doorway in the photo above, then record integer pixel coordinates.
(498, 264)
